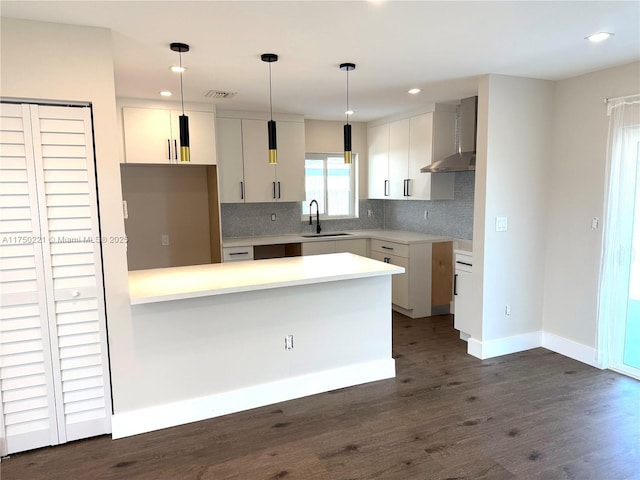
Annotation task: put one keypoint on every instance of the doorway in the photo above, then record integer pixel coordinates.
(627, 341)
(619, 298)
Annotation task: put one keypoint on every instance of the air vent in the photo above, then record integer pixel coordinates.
(220, 94)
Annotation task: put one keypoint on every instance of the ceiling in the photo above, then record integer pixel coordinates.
(440, 47)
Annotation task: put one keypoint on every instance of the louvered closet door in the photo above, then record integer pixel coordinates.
(62, 198)
(26, 379)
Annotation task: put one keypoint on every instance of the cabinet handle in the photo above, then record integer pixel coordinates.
(387, 248)
(455, 284)
(239, 253)
(274, 189)
(279, 190)
(406, 187)
(241, 190)
(168, 149)
(386, 188)
(175, 149)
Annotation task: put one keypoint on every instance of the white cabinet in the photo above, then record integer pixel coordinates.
(245, 173)
(236, 254)
(378, 140)
(463, 317)
(319, 248)
(411, 290)
(230, 161)
(432, 137)
(398, 158)
(152, 135)
(54, 386)
(357, 246)
(398, 150)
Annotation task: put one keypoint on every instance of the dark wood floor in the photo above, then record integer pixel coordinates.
(447, 415)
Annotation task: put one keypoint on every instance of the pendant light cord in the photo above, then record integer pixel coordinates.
(347, 114)
(181, 89)
(270, 101)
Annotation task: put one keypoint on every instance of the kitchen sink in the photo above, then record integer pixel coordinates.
(334, 234)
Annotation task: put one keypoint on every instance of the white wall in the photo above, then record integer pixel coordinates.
(576, 195)
(514, 138)
(327, 136)
(46, 61)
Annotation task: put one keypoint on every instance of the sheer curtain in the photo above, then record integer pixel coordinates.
(620, 195)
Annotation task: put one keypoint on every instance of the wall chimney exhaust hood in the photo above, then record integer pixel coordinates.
(465, 159)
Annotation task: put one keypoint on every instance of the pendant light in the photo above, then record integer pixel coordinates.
(183, 120)
(271, 125)
(347, 67)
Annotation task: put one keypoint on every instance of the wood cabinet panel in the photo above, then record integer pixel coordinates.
(441, 273)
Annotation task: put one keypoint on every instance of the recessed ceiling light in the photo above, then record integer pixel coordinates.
(413, 91)
(349, 112)
(166, 93)
(599, 37)
(178, 69)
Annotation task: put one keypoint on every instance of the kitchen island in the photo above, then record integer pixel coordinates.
(216, 339)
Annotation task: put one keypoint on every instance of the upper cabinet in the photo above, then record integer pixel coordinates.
(399, 149)
(245, 173)
(378, 139)
(152, 135)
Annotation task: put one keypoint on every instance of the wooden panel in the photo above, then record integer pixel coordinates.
(215, 235)
(442, 273)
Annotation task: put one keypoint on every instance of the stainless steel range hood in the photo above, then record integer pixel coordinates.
(465, 159)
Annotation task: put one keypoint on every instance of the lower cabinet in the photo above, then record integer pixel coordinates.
(400, 281)
(357, 246)
(235, 254)
(413, 291)
(463, 317)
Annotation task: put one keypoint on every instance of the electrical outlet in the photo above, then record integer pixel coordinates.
(594, 223)
(165, 240)
(507, 310)
(273, 217)
(288, 342)
(502, 224)
(369, 213)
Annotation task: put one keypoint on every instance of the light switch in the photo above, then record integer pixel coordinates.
(501, 224)
(165, 240)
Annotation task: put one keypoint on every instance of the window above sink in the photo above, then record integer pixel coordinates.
(332, 183)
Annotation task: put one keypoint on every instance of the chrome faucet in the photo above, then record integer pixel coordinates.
(318, 229)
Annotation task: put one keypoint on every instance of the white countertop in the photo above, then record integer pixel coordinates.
(463, 246)
(385, 235)
(176, 283)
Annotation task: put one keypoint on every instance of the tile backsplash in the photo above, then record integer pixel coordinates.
(451, 218)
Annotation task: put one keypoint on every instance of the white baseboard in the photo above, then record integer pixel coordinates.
(178, 413)
(569, 348)
(503, 346)
(519, 343)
